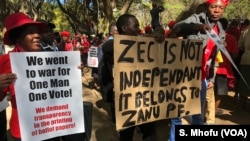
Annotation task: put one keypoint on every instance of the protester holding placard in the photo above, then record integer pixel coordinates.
(94, 56)
(195, 27)
(24, 33)
(127, 25)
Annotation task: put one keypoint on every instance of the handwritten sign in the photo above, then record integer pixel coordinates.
(48, 94)
(155, 81)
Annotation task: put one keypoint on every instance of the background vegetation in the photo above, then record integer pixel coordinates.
(92, 16)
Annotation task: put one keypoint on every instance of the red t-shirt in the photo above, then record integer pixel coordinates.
(68, 46)
(86, 46)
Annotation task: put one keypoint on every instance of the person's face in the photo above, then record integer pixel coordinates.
(78, 44)
(30, 38)
(97, 40)
(216, 10)
(132, 28)
(48, 35)
(65, 39)
(114, 30)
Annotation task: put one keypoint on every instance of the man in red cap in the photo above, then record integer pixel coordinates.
(195, 27)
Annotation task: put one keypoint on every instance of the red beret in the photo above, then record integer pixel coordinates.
(171, 24)
(65, 34)
(226, 2)
(148, 29)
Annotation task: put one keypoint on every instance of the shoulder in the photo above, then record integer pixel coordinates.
(4, 62)
(196, 18)
(4, 57)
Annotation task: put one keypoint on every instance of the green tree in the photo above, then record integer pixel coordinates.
(74, 15)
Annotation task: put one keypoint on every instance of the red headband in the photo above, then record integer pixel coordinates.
(226, 2)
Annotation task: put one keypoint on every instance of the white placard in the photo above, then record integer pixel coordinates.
(48, 94)
(93, 57)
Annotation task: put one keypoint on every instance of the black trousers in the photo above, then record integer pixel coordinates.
(148, 131)
(3, 126)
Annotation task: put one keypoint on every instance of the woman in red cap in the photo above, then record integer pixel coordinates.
(24, 33)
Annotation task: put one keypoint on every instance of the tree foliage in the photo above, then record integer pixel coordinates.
(92, 16)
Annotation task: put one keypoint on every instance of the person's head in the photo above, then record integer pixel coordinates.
(201, 8)
(128, 25)
(224, 23)
(154, 5)
(234, 23)
(84, 37)
(65, 36)
(48, 36)
(78, 41)
(112, 29)
(216, 8)
(23, 31)
(98, 39)
(246, 22)
(57, 37)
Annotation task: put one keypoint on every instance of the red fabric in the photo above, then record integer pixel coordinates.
(148, 29)
(207, 53)
(6, 68)
(225, 67)
(167, 33)
(171, 24)
(17, 20)
(86, 46)
(226, 2)
(235, 31)
(68, 46)
(77, 39)
(65, 34)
